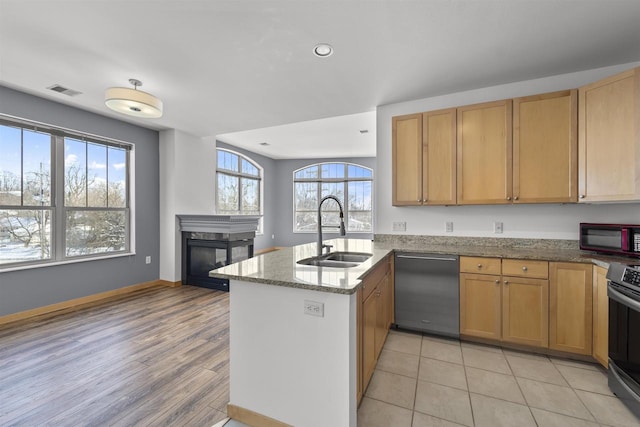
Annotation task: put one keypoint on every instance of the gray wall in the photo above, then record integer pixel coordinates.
(36, 287)
(283, 207)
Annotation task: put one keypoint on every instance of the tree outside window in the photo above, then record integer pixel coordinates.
(348, 182)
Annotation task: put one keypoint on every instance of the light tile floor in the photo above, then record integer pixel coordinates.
(425, 381)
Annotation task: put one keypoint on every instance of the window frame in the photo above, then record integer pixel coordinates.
(345, 180)
(57, 207)
(239, 174)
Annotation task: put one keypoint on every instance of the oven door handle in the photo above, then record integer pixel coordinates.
(623, 299)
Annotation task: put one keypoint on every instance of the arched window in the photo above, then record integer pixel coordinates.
(349, 182)
(238, 184)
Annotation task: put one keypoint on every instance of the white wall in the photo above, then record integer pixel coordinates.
(527, 221)
(295, 368)
(187, 186)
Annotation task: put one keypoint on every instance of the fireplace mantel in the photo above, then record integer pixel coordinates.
(225, 224)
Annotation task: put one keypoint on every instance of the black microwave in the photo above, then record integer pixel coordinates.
(619, 239)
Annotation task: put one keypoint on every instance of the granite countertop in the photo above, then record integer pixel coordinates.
(280, 267)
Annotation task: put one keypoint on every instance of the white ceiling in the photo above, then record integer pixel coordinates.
(227, 66)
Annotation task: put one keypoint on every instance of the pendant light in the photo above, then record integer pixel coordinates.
(133, 102)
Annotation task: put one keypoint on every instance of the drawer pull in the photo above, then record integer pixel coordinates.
(524, 268)
(479, 265)
(497, 282)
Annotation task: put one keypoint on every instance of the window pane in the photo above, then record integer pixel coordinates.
(359, 221)
(330, 220)
(360, 195)
(75, 173)
(91, 232)
(333, 189)
(306, 195)
(306, 221)
(228, 193)
(358, 172)
(117, 185)
(332, 170)
(250, 196)
(248, 168)
(25, 235)
(227, 161)
(307, 173)
(10, 166)
(36, 168)
(97, 175)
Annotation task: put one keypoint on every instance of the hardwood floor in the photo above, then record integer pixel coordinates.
(159, 356)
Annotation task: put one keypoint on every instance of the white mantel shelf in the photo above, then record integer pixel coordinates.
(219, 223)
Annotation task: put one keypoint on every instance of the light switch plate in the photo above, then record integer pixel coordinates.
(497, 227)
(399, 226)
(448, 226)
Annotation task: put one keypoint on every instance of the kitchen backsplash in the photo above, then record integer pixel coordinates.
(401, 239)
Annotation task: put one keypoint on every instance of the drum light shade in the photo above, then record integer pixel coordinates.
(133, 102)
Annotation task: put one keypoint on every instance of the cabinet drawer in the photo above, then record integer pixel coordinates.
(525, 268)
(371, 280)
(480, 265)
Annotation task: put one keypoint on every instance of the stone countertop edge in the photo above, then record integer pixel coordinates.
(282, 273)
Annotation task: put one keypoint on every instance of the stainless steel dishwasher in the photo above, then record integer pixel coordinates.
(427, 293)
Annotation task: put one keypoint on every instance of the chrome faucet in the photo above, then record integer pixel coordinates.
(321, 245)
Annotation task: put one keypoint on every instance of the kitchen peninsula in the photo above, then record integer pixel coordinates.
(303, 369)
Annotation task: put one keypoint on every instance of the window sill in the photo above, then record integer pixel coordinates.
(68, 261)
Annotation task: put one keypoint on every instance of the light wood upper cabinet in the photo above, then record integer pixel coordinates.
(600, 316)
(424, 158)
(407, 160)
(484, 153)
(545, 148)
(439, 157)
(609, 138)
(570, 307)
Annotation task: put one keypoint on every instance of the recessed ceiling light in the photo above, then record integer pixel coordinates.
(323, 50)
(264, 143)
(363, 131)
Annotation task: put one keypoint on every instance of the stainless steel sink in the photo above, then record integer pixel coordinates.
(337, 260)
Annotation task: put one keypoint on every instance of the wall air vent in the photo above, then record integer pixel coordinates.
(64, 90)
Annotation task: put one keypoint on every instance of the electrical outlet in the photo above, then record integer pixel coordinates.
(448, 227)
(314, 308)
(497, 227)
(399, 226)
(147, 260)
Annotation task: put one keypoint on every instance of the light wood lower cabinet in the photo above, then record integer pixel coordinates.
(480, 306)
(505, 308)
(525, 311)
(600, 316)
(570, 307)
(375, 315)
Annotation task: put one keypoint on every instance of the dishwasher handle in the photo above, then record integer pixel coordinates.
(426, 257)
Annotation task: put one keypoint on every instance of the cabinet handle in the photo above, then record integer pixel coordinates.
(515, 198)
(419, 200)
(497, 282)
(506, 282)
(508, 197)
(524, 268)
(479, 265)
(582, 196)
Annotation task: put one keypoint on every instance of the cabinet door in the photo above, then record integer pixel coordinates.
(407, 160)
(439, 157)
(609, 138)
(484, 153)
(359, 306)
(382, 315)
(545, 148)
(525, 311)
(369, 315)
(600, 316)
(480, 306)
(570, 307)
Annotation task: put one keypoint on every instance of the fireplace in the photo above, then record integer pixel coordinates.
(213, 241)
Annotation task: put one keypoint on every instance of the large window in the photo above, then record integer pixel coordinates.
(349, 182)
(239, 187)
(62, 195)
